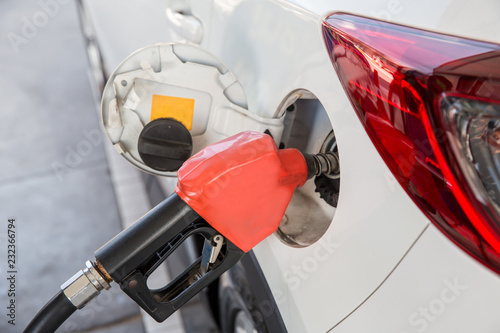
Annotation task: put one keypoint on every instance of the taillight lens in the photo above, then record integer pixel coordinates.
(430, 104)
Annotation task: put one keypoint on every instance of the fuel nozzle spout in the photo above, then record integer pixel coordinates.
(322, 164)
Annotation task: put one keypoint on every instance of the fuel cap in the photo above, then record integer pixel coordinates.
(164, 144)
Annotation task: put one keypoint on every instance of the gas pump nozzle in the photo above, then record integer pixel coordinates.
(133, 255)
(233, 193)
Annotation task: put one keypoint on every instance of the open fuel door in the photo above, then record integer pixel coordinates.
(166, 102)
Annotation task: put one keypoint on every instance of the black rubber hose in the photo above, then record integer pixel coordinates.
(52, 315)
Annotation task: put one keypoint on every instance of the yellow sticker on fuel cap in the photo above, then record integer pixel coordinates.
(178, 108)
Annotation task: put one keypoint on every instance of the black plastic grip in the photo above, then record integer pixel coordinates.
(134, 254)
(163, 302)
(139, 243)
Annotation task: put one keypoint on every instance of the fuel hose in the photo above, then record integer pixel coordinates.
(52, 315)
(74, 294)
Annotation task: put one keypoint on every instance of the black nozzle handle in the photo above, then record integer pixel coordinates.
(136, 245)
(134, 254)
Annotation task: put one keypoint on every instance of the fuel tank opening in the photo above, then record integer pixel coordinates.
(308, 128)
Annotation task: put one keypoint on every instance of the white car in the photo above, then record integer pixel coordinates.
(407, 94)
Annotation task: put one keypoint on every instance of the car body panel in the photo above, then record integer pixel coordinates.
(471, 19)
(379, 242)
(435, 289)
(120, 27)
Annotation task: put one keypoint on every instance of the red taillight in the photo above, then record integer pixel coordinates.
(430, 104)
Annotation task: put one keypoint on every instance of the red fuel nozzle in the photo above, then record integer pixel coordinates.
(242, 186)
(233, 193)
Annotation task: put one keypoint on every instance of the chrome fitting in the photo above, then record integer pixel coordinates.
(326, 164)
(84, 285)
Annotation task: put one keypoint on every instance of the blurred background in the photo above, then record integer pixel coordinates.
(67, 190)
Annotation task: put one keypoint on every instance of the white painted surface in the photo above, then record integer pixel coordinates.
(472, 19)
(435, 289)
